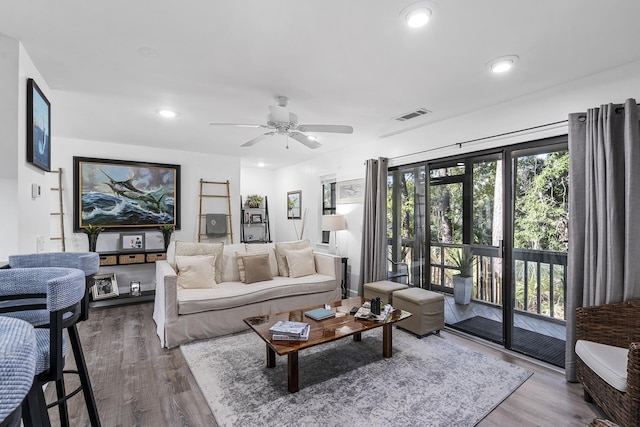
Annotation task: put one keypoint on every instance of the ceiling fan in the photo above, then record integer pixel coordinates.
(280, 121)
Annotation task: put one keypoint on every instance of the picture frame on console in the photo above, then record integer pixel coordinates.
(119, 195)
(256, 218)
(131, 242)
(104, 286)
(294, 204)
(38, 127)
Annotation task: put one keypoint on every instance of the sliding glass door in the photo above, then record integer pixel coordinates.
(508, 209)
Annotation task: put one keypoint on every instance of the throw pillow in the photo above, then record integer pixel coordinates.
(283, 269)
(271, 249)
(240, 257)
(257, 269)
(190, 249)
(196, 272)
(300, 262)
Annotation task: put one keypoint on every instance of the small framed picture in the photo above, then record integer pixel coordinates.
(294, 204)
(131, 242)
(134, 289)
(256, 218)
(104, 286)
(247, 217)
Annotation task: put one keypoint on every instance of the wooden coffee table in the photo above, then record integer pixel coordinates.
(323, 331)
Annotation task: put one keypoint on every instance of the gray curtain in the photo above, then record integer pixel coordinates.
(604, 212)
(373, 266)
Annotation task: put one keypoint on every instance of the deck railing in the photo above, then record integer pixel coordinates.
(540, 278)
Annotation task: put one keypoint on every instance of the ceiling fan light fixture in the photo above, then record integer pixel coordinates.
(503, 63)
(417, 15)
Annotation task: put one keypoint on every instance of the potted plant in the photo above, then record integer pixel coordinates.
(92, 231)
(167, 230)
(464, 261)
(254, 201)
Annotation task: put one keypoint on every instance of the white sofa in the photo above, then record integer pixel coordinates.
(184, 315)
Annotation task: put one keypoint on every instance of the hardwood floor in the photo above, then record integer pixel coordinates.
(137, 383)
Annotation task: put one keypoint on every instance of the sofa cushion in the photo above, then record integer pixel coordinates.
(236, 294)
(190, 249)
(608, 362)
(271, 250)
(196, 271)
(230, 271)
(300, 262)
(240, 261)
(281, 248)
(256, 268)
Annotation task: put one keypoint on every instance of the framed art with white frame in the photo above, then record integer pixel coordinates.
(350, 191)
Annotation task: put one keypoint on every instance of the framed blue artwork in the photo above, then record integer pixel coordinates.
(38, 127)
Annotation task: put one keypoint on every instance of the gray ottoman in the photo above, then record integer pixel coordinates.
(383, 289)
(426, 306)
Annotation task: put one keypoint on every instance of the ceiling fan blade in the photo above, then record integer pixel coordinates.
(305, 140)
(326, 128)
(257, 139)
(279, 114)
(242, 125)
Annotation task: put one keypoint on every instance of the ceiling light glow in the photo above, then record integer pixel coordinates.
(167, 114)
(503, 64)
(261, 164)
(418, 17)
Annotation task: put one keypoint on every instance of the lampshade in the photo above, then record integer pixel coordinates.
(334, 222)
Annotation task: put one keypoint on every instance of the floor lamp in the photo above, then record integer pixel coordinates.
(334, 223)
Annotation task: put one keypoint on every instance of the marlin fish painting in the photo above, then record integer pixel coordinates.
(121, 194)
(126, 189)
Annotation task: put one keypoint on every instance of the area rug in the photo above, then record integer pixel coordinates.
(428, 381)
(531, 343)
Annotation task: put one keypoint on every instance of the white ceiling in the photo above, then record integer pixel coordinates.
(339, 61)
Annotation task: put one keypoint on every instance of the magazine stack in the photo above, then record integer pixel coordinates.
(284, 330)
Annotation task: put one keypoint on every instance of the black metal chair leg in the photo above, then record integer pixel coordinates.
(84, 376)
(34, 408)
(62, 406)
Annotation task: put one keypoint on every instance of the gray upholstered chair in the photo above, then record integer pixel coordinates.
(59, 291)
(17, 367)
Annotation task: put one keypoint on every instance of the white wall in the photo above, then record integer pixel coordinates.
(194, 166)
(533, 110)
(33, 217)
(9, 51)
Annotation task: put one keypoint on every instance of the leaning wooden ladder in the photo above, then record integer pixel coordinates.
(203, 195)
(60, 212)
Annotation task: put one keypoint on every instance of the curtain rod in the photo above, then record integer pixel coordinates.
(460, 144)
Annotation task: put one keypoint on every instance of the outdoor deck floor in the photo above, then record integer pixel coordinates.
(456, 313)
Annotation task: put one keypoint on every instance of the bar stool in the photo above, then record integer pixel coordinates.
(89, 262)
(17, 367)
(59, 291)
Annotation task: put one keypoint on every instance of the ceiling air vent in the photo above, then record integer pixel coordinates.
(413, 114)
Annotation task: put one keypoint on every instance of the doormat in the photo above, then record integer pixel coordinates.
(539, 346)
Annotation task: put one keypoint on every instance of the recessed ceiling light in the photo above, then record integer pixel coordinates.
(261, 164)
(417, 15)
(503, 63)
(167, 114)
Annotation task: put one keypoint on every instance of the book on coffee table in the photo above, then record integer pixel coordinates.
(319, 314)
(287, 327)
(303, 337)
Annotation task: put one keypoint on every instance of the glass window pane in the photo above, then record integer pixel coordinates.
(446, 213)
(487, 203)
